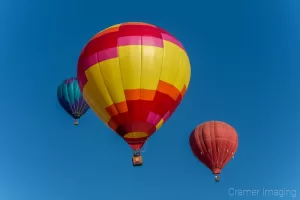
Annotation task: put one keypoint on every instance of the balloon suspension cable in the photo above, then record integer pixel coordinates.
(217, 178)
(136, 152)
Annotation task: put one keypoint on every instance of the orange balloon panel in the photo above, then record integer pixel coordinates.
(133, 75)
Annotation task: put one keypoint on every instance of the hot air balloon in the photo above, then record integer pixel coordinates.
(71, 99)
(214, 143)
(133, 76)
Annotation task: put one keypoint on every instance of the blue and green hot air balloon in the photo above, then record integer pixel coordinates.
(70, 98)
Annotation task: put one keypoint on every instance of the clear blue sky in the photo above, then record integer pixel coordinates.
(245, 58)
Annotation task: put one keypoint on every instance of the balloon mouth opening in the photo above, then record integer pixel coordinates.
(76, 115)
(216, 171)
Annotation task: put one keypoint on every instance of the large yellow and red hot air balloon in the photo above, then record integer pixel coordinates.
(134, 75)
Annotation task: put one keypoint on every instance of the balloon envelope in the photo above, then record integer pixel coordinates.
(214, 143)
(133, 75)
(71, 99)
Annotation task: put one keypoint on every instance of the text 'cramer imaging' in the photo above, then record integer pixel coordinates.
(267, 192)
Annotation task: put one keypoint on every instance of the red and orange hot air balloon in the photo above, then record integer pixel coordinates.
(214, 143)
(133, 76)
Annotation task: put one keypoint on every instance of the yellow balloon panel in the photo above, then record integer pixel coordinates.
(111, 74)
(152, 61)
(130, 64)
